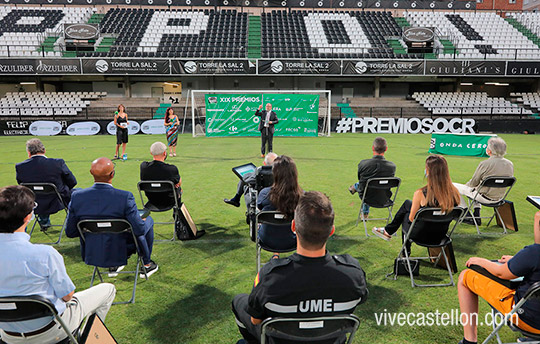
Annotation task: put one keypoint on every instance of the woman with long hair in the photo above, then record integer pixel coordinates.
(282, 196)
(171, 124)
(121, 122)
(439, 193)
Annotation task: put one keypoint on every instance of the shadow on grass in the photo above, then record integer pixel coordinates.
(185, 318)
(379, 300)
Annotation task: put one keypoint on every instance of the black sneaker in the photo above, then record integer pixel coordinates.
(113, 271)
(149, 269)
(527, 340)
(232, 201)
(352, 190)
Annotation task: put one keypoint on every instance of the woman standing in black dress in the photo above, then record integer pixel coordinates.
(121, 122)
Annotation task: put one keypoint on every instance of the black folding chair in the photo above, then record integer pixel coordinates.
(263, 178)
(330, 329)
(274, 219)
(379, 187)
(44, 190)
(22, 308)
(166, 190)
(490, 182)
(422, 220)
(116, 227)
(532, 294)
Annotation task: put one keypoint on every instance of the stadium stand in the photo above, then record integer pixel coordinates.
(478, 35)
(531, 100)
(159, 33)
(23, 30)
(470, 103)
(302, 34)
(46, 103)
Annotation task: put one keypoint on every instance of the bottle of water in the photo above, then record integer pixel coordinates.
(124, 157)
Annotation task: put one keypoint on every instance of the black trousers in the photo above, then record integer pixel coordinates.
(266, 136)
(250, 332)
(401, 219)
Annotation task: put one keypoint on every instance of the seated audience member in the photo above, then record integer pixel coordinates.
(376, 167)
(40, 169)
(282, 196)
(30, 269)
(103, 201)
(471, 285)
(157, 169)
(495, 166)
(438, 193)
(310, 275)
(247, 181)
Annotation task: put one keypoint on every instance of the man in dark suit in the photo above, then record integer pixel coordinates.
(103, 201)
(40, 169)
(266, 127)
(376, 167)
(157, 169)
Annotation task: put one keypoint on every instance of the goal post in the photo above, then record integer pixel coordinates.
(296, 107)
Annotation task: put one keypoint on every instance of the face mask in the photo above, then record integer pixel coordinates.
(425, 173)
(33, 217)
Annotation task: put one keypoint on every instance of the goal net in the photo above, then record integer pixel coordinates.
(222, 113)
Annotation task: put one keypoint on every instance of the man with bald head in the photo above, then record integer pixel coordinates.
(103, 201)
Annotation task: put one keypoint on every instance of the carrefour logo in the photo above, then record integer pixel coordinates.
(276, 67)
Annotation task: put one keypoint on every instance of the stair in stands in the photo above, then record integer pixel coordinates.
(105, 44)
(254, 37)
(48, 44)
(96, 18)
(526, 32)
(346, 110)
(402, 22)
(448, 46)
(396, 45)
(160, 112)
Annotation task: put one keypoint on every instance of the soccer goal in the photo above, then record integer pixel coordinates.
(221, 113)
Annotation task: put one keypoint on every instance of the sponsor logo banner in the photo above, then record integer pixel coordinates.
(464, 145)
(386, 67)
(465, 67)
(299, 67)
(234, 114)
(405, 125)
(40, 66)
(523, 68)
(212, 67)
(133, 127)
(83, 129)
(81, 31)
(418, 34)
(45, 128)
(124, 66)
(153, 126)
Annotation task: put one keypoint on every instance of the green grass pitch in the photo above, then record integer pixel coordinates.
(188, 300)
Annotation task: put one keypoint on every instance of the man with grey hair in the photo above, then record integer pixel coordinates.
(376, 167)
(157, 169)
(248, 180)
(40, 169)
(496, 165)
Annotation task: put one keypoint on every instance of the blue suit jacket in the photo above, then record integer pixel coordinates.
(102, 201)
(40, 169)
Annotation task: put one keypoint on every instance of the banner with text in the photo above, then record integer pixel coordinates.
(300, 67)
(386, 67)
(124, 66)
(212, 67)
(456, 144)
(234, 114)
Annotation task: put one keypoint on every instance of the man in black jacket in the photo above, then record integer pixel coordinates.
(266, 127)
(40, 169)
(159, 170)
(376, 167)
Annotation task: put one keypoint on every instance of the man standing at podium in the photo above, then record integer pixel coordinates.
(266, 127)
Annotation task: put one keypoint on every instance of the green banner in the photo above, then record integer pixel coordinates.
(459, 144)
(234, 114)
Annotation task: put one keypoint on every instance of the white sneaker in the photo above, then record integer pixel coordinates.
(113, 272)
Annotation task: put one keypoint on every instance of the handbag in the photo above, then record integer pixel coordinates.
(402, 269)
